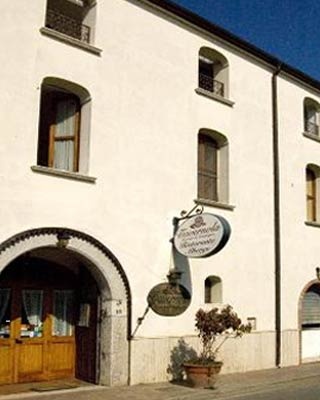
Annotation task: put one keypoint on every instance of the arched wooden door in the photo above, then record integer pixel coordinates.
(39, 309)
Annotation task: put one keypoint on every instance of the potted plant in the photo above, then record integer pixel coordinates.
(214, 328)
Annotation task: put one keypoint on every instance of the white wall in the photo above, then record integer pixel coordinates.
(143, 152)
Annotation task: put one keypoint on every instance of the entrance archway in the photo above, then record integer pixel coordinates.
(64, 302)
(310, 322)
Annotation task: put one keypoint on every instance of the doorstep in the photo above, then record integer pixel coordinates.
(42, 387)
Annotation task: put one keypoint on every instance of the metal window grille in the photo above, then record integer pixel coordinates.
(67, 25)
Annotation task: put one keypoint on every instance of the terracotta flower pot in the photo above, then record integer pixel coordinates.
(199, 375)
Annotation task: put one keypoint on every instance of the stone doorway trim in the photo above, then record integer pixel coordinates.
(115, 301)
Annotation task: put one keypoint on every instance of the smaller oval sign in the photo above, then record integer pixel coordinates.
(169, 300)
(202, 235)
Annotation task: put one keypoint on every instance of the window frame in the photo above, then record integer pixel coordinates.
(75, 137)
(311, 117)
(215, 81)
(206, 145)
(213, 293)
(54, 90)
(219, 174)
(75, 19)
(311, 195)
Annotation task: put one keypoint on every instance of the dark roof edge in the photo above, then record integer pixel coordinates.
(229, 37)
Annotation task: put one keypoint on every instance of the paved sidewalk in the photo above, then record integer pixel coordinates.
(227, 386)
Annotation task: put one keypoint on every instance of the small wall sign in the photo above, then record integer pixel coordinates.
(169, 300)
(202, 235)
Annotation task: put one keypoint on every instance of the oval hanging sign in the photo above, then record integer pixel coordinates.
(169, 300)
(202, 235)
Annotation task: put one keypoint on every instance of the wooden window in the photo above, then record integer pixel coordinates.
(311, 196)
(59, 130)
(207, 168)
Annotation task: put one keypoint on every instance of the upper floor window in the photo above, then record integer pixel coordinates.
(74, 18)
(312, 188)
(63, 126)
(212, 166)
(311, 116)
(213, 290)
(213, 72)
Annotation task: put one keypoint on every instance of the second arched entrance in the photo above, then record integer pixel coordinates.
(310, 323)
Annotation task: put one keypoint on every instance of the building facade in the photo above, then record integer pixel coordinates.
(116, 116)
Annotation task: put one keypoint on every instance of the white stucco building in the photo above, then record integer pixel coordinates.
(116, 116)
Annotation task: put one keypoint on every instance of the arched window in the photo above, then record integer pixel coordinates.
(311, 111)
(73, 18)
(212, 166)
(213, 72)
(311, 307)
(213, 290)
(312, 192)
(63, 126)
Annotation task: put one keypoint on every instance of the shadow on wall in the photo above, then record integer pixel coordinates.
(181, 263)
(180, 354)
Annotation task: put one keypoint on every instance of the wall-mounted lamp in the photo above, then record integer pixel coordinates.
(63, 239)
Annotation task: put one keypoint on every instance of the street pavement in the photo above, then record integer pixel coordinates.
(293, 383)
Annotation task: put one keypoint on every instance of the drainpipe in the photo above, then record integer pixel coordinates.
(277, 243)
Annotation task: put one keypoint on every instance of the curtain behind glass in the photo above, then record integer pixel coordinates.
(32, 301)
(65, 126)
(62, 313)
(63, 155)
(4, 300)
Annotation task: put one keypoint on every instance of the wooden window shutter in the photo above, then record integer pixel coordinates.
(64, 134)
(207, 168)
(311, 195)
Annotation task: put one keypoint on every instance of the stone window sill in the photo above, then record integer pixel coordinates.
(315, 224)
(311, 136)
(216, 204)
(69, 40)
(63, 174)
(213, 96)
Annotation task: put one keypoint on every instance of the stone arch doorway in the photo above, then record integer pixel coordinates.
(310, 322)
(65, 304)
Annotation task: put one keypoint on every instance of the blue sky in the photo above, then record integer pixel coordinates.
(287, 29)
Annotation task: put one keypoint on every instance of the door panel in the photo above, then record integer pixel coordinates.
(6, 342)
(30, 361)
(86, 344)
(6, 357)
(61, 358)
(38, 311)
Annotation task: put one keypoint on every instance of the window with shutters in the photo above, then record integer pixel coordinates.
(311, 307)
(312, 192)
(213, 290)
(212, 166)
(213, 72)
(63, 126)
(311, 111)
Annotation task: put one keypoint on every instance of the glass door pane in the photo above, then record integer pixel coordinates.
(62, 313)
(5, 317)
(31, 314)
